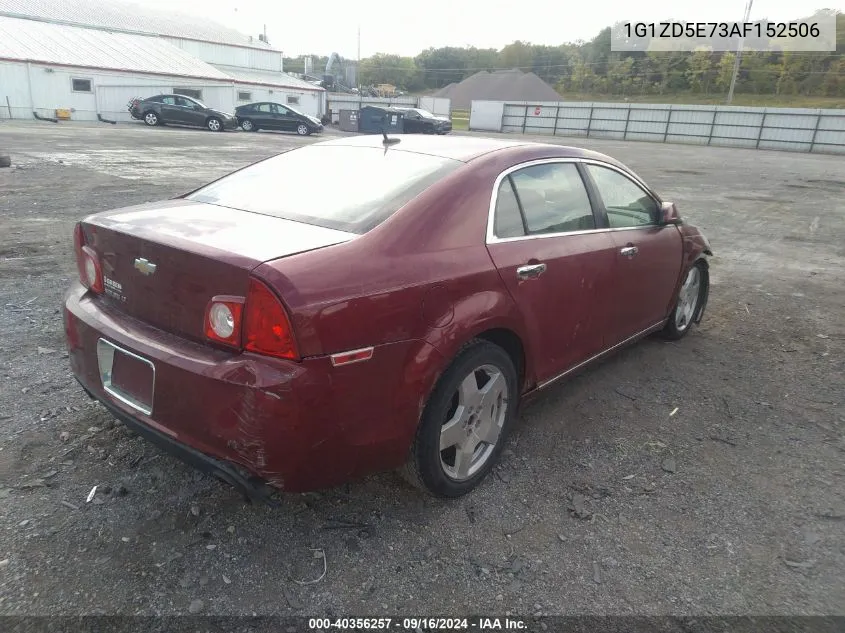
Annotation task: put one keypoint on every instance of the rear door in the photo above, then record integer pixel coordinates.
(647, 255)
(262, 116)
(556, 265)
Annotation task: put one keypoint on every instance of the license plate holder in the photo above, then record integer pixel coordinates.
(126, 376)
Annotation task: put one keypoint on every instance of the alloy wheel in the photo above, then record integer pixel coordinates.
(688, 299)
(474, 422)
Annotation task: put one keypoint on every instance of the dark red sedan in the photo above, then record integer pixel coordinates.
(355, 306)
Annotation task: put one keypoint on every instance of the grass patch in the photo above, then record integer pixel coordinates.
(460, 119)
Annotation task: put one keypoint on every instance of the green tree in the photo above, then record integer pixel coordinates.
(390, 69)
(701, 71)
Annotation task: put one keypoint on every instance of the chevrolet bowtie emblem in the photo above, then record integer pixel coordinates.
(144, 266)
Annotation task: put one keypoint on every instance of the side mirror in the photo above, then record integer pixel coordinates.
(669, 214)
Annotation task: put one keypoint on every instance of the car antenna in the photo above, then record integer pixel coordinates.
(387, 140)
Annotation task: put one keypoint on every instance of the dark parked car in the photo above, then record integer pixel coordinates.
(396, 319)
(181, 110)
(275, 116)
(419, 121)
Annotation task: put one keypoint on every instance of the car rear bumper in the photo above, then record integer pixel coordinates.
(253, 487)
(295, 425)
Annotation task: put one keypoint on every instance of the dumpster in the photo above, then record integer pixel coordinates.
(377, 119)
(349, 120)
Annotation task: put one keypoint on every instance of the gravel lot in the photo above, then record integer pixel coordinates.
(604, 502)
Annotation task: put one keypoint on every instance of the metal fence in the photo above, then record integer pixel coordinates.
(791, 129)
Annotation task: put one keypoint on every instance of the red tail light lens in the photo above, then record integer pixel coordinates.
(267, 329)
(223, 318)
(87, 262)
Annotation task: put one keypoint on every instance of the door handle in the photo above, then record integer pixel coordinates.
(629, 251)
(530, 271)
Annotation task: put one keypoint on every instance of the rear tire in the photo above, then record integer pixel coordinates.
(248, 126)
(465, 423)
(151, 119)
(689, 303)
(214, 124)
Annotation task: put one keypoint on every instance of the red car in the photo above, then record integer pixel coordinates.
(359, 305)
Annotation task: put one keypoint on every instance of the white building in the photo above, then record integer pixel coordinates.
(92, 57)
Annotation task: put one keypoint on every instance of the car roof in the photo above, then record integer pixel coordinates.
(456, 147)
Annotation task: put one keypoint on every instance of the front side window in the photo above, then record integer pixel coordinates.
(553, 198)
(279, 109)
(627, 204)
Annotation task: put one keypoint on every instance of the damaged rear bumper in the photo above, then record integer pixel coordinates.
(248, 419)
(254, 488)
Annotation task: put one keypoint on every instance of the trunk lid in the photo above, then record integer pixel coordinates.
(163, 262)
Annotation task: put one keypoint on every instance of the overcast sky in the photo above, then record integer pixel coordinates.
(406, 27)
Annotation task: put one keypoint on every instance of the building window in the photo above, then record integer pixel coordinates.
(244, 96)
(188, 92)
(292, 100)
(81, 85)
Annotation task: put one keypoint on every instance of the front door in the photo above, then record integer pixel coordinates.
(556, 267)
(648, 254)
(284, 118)
(187, 112)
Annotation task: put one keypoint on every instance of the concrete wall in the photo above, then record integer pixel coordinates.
(792, 129)
(44, 88)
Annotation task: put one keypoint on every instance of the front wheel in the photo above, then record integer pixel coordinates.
(214, 124)
(689, 303)
(465, 422)
(303, 130)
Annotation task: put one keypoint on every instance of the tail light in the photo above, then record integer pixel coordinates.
(87, 261)
(259, 322)
(223, 318)
(267, 329)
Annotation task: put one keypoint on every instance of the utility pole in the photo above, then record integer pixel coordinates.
(358, 64)
(738, 55)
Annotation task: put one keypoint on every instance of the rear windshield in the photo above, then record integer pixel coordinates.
(345, 188)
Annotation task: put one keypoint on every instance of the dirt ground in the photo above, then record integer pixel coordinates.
(604, 502)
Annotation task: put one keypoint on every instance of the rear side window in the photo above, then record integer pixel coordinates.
(508, 216)
(345, 188)
(553, 198)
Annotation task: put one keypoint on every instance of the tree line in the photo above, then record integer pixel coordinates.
(592, 68)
